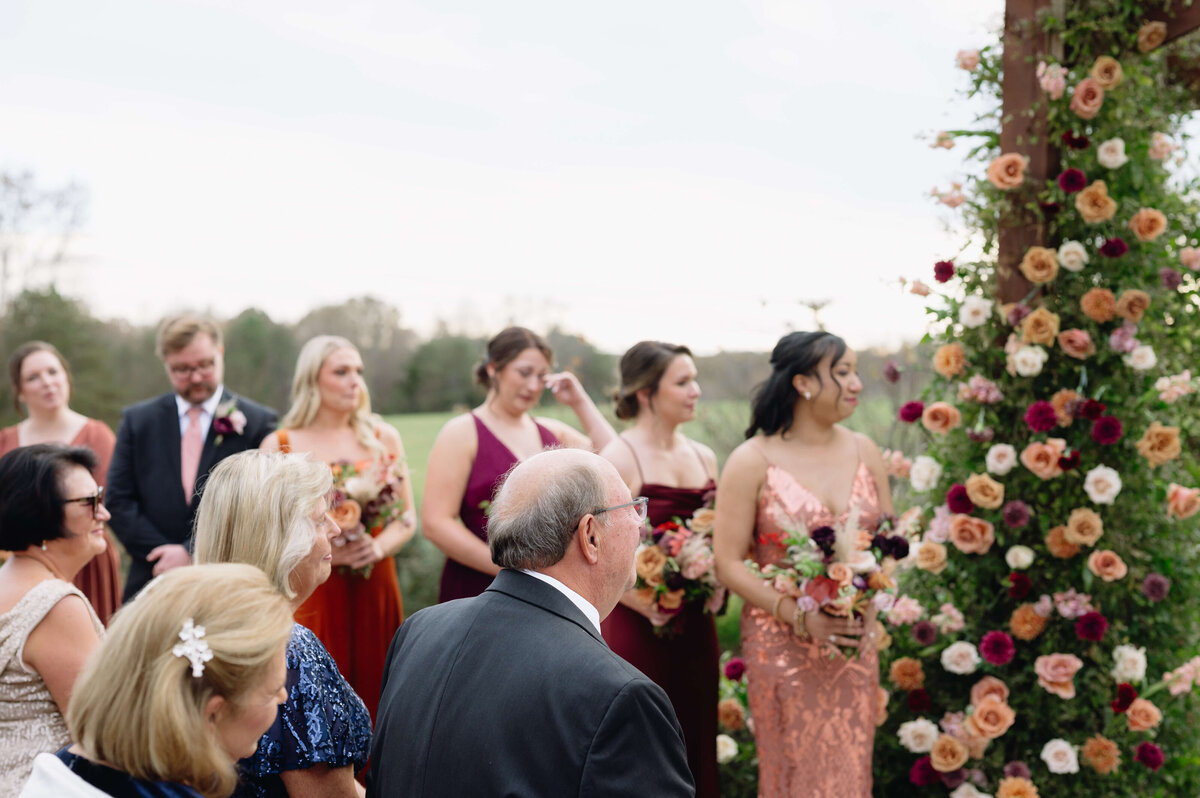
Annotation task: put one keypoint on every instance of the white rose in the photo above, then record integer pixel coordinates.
(1111, 154)
(1131, 664)
(1001, 459)
(1142, 358)
(1028, 360)
(969, 790)
(1072, 256)
(1019, 557)
(1060, 756)
(1102, 484)
(961, 658)
(925, 473)
(975, 311)
(361, 488)
(918, 736)
(727, 748)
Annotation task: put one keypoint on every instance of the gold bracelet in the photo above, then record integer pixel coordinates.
(775, 610)
(799, 626)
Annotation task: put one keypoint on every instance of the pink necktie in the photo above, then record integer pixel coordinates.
(190, 447)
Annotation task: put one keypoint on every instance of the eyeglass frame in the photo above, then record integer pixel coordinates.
(185, 372)
(641, 505)
(95, 500)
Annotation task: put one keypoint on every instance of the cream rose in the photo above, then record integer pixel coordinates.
(1142, 358)
(925, 473)
(1001, 459)
(1111, 154)
(1018, 558)
(727, 749)
(1102, 484)
(975, 311)
(1060, 756)
(1130, 664)
(961, 658)
(918, 735)
(1072, 256)
(1029, 360)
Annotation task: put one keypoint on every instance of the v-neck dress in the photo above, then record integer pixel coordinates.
(814, 715)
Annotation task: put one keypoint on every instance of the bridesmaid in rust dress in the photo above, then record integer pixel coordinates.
(659, 392)
(41, 381)
(814, 714)
(475, 450)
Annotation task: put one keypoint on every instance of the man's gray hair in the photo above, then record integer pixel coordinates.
(533, 530)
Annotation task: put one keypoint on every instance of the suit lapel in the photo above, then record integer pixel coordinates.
(208, 455)
(171, 438)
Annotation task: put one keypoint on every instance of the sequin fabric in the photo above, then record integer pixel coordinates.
(322, 722)
(30, 722)
(814, 714)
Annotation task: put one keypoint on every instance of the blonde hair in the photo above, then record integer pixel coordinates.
(138, 707)
(176, 332)
(306, 397)
(257, 507)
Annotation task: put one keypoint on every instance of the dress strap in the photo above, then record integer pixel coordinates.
(703, 465)
(636, 462)
(284, 445)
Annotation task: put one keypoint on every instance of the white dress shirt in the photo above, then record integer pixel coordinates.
(579, 601)
(208, 410)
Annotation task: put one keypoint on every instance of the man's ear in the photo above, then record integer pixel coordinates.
(587, 537)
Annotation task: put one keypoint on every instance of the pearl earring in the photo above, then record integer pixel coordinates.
(807, 395)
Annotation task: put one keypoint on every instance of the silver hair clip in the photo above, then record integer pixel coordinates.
(194, 647)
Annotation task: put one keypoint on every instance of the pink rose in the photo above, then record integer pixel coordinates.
(786, 585)
(1190, 257)
(967, 59)
(698, 566)
(1076, 343)
(1087, 99)
(1056, 673)
(1182, 502)
(1052, 79)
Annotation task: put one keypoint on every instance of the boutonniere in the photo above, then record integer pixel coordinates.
(228, 420)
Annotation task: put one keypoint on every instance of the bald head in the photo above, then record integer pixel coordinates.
(536, 511)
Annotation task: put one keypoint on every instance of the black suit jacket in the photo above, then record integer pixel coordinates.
(513, 693)
(144, 493)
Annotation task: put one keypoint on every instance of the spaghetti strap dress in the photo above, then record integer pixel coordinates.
(685, 663)
(355, 617)
(814, 714)
(492, 461)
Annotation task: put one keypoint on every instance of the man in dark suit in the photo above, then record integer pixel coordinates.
(166, 446)
(514, 692)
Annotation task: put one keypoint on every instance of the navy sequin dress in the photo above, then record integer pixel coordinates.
(323, 722)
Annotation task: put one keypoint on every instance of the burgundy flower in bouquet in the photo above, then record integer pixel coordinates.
(1075, 142)
(911, 411)
(957, 499)
(1041, 416)
(997, 648)
(1107, 430)
(1090, 410)
(1069, 461)
(735, 668)
(924, 633)
(891, 372)
(1155, 587)
(919, 701)
(1015, 513)
(1125, 696)
(366, 498)
(1114, 247)
(1091, 626)
(1149, 755)
(1072, 180)
(943, 270)
(675, 568)
(1019, 585)
(922, 773)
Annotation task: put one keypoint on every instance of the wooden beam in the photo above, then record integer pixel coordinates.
(1181, 20)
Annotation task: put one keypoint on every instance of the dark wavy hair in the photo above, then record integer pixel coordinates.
(773, 400)
(31, 497)
(504, 349)
(643, 366)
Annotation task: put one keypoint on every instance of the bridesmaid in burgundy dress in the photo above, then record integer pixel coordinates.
(659, 392)
(475, 450)
(814, 714)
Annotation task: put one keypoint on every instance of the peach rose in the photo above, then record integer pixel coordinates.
(346, 515)
(1040, 264)
(1151, 35)
(931, 557)
(976, 746)
(1107, 565)
(1016, 787)
(1042, 458)
(1148, 224)
(702, 520)
(1039, 327)
(840, 572)
(948, 754)
(1076, 343)
(1025, 623)
(880, 580)
(881, 708)
(1132, 305)
(950, 360)
(1087, 99)
(671, 600)
(1101, 754)
(967, 59)
(1059, 546)
(985, 492)
(1008, 171)
(1098, 304)
(1084, 527)
(1182, 502)
(1107, 72)
(649, 565)
(907, 674)
(1056, 673)
(1094, 204)
(971, 535)
(730, 714)
(1142, 715)
(1159, 445)
(989, 687)
(941, 417)
(1060, 400)
(991, 718)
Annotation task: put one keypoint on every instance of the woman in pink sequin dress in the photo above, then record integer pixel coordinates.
(814, 709)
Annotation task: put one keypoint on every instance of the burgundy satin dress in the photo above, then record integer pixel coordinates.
(492, 461)
(814, 715)
(685, 664)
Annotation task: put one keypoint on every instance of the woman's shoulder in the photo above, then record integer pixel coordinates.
(10, 438)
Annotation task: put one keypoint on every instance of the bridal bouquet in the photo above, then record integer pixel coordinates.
(366, 498)
(675, 567)
(840, 570)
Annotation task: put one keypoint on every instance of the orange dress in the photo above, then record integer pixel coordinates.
(814, 715)
(356, 618)
(100, 579)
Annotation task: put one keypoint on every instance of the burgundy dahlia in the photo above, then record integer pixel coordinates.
(1019, 585)
(1171, 279)
(997, 648)
(911, 411)
(1091, 626)
(922, 773)
(1114, 247)
(919, 701)
(1149, 755)
(1107, 430)
(924, 633)
(982, 435)
(954, 778)
(1017, 313)
(1015, 513)
(943, 270)
(1155, 587)
(1125, 696)
(735, 668)
(957, 499)
(1072, 180)
(1090, 410)
(891, 372)
(1041, 416)
(1075, 142)
(824, 537)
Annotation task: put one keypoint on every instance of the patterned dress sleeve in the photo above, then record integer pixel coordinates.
(322, 722)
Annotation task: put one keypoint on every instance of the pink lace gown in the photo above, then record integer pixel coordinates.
(814, 715)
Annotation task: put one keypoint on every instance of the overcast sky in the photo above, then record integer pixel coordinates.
(673, 169)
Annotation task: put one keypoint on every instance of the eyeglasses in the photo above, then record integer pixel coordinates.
(639, 505)
(203, 367)
(94, 500)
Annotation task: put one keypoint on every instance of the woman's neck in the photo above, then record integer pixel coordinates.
(811, 431)
(36, 557)
(656, 432)
(500, 412)
(48, 422)
(329, 419)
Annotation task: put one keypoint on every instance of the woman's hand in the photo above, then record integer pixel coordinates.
(648, 609)
(844, 632)
(566, 388)
(358, 553)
